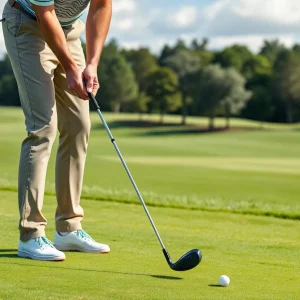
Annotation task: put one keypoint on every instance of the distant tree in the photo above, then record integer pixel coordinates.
(261, 106)
(256, 65)
(296, 48)
(221, 90)
(234, 56)
(166, 52)
(271, 50)
(236, 94)
(196, 45)
(186, 66)
(163, 91)
(5, 67)
(138, 104)
(211, 91)
(120, 83)
(180, 45)
(9, 95)
(286, 81)
(142, 63)
(110, 51)
(206, 57)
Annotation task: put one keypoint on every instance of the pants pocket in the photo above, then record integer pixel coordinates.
(13, 23)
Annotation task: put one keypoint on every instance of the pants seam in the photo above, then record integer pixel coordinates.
(69, 148)
(30, 152)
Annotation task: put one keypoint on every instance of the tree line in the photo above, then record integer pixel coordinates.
(192, 80)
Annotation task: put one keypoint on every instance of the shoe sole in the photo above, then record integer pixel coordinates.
(24, 254)
(78, 249)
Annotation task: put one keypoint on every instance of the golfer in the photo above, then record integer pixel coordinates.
(42, 38)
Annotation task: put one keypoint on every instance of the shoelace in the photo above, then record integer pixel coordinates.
(81, 233)
(43, 242)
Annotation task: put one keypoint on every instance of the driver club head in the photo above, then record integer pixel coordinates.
(186, 262)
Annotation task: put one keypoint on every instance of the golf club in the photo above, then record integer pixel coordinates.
(190, 259)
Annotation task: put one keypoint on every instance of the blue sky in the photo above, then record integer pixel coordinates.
(225, 22)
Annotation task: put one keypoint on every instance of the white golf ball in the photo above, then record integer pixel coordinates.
(224, 280)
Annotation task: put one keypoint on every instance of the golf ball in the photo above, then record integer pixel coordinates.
(224, 280)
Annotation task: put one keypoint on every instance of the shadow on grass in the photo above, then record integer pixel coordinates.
(163, 129)
(6, 253)
(215, 285)
(84, 270)
(139, 124)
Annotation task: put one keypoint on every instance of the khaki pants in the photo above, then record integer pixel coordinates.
(47, 106)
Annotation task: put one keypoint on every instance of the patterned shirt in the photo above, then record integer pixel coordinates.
(67, 11)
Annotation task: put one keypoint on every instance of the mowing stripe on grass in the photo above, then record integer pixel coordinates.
(264, 165)
(236, 210)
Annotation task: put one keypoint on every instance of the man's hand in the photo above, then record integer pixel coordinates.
(91, 79)
(75, 83)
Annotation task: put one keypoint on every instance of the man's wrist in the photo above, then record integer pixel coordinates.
(92, 63)
(69, 66)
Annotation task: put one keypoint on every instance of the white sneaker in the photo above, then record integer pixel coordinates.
(40, 249)
(78, 240)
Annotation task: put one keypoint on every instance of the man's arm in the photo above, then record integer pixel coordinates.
(55, 38)
(97, 26)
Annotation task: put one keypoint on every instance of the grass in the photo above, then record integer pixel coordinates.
(216, 191)
(250, 172)
(259, 254)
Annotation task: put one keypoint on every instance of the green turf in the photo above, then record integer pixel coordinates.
(255, 171)
(195, 180)
(259, 254)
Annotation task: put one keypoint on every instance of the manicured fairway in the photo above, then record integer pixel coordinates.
(235, 195)
(252, 171)
(260, 254)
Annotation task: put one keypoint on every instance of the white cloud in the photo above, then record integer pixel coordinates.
(184, 17)
(142, 23)
(124, 24)
(243, 17)
(254, 42)
(122, 6)
(275, 11)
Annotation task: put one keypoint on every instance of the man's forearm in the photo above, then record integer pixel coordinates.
(54, 36)
(97, 26)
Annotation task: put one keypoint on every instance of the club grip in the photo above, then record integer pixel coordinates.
(94, 101)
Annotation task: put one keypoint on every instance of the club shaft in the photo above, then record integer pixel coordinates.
(95, 104)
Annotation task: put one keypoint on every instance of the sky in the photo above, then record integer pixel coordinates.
(154, 23)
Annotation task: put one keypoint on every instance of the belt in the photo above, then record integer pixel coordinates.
(16, 5)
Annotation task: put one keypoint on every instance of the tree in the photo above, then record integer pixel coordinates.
(5, 67)
(271, 50)
(186, 66)
(142, 63)
(120, 84)
(256, 65)
(237, 96)
(138, 104)
(211, 92)
(199, 46)
(221, 90)
(168, 51)
(261, 106)
(163, 91)
(234, 56)
(286, 81)
(9, 95)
